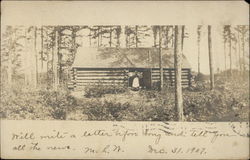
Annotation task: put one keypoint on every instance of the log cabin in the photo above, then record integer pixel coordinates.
(115, 66)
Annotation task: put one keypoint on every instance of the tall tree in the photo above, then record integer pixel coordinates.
(12, 50)
(211, 67)
(234, 47)
(224, 44)
(110, 36)
(160, 57)
(239, 53)
(182, 37)
(166, 36)
(230, 48)
(36, 56)
(56, 58)
(127, 34)
(155, 30)
(242, 31)
(198, 45)
(136, 36)
(42, 47)
(178, 70)
(28, 60)
(118, 31)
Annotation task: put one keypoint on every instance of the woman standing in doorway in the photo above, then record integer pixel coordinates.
(136, 82)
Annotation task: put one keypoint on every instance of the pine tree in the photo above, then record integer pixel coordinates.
(211, 67)
(178, 70)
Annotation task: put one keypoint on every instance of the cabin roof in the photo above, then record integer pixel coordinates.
(125, 58)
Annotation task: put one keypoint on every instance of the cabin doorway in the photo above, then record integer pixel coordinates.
(144, 78)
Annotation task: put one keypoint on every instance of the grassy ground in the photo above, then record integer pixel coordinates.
(229, 101)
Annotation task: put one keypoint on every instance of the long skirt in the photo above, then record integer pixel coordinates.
(135, 83)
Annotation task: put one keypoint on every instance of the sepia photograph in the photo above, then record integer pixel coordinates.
(132, 73)
(61, 82)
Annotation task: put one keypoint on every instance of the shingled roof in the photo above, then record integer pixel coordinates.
(125, 58)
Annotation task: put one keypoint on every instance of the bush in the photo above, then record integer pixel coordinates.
(198, 87)
(229, 101)
(157, 113)
(36, 104)
(214, 106)
(22, 104)
(201, 77)
(60, 102)
(100, 90)
(107, 110)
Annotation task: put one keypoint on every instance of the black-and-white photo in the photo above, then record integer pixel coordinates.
(124, 79)
(125, 72)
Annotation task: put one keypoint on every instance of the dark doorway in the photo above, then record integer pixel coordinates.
(146, 78)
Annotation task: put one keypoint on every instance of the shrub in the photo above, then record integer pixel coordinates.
(36, 104)
(22, 104)
(201, 77)
(105, 110)
(99, 90)
(198, 87)
(60, 102)
(158, 113)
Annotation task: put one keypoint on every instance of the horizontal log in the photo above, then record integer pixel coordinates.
(158, 74)
(169, 69)
(169, 76)
(101, 71)
(99, 75)
(106, 84)
(172, 72)
(99, 79)
(157, 80)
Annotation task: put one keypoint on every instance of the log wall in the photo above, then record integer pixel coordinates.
(83, 77)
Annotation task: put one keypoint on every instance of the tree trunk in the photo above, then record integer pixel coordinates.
(27, 60)
(225, 57)
(126, 41)
(118, 35)
(98, 36)
(60, 70)
(126, 36)
(178, 70)
(230, 50)
(90, 37)
(198, 45)
(110, 37)
(47, 66)
(182, 37)
(239, 52)
(243, 55)
(235, 54)
(9, 71)
(173, 36)
(155, 35)
(136, 36)
(129, 41)
(56, 52)
(36, 61)
(42, 48)
(53, 66)
(166, 35)
(160, 58)
(210, 58)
